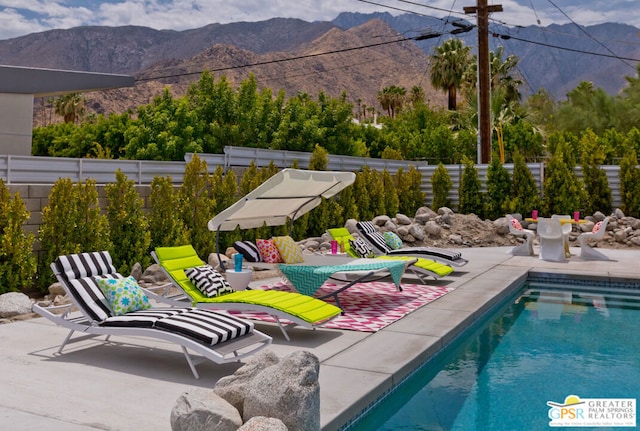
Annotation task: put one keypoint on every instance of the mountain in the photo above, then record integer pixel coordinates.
(290, 54)
(541, 65)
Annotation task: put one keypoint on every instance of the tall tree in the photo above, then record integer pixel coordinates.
(449, 63)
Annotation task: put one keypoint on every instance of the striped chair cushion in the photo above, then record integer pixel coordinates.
(85, 265)
(79, 271)
(142, 318)
(208, 280)
(205, 326)
(370, 232)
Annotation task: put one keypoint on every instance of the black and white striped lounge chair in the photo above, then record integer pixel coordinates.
(371, 233)
(218, 337)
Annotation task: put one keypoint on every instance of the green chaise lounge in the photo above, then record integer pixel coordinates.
(301, 310)
(421, 267)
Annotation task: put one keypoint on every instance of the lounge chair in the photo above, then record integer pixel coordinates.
(515, 228)
(552, 245)
(299, 309)
(218, 337)
(419, 266)
(371, 233)
(597, 233)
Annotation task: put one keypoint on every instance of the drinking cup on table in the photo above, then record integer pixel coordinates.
(534, 215)
(576, 216)
(237, 262)
(334, 246)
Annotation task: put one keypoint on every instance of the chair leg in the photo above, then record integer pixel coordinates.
(190, 362)
(590, 253)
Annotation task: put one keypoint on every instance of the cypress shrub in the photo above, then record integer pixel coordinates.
(469, 194)
(563, 191)
(524, 191)
(165, 225)
(17, 262)
(441, 185)
(391, 200)
(598, 194)
(498, 189)
(128, 225)
(630, 183)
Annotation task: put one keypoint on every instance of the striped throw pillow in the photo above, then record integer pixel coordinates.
(208, 280)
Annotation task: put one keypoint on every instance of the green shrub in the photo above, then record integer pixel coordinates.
(498, 189)
(630, 184)
(391, 200)
(598, 194)
(408, 186)
(524, 191)
(128, 225)
(563, 191)
(441, 184)
(17, 262)
(165, 225)
(469, 194)
(197, 206)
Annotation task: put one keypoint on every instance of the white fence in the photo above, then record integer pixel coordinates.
(47, 170)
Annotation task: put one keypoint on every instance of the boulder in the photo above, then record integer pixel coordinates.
(416, 231)
(200, 409)
(403, 219)
(232, 388)
(136, 271)
(260, 423)
(289, 391)
(14, 304)
(380, 220)
(153, 274)
(432, 228)
(56, 289)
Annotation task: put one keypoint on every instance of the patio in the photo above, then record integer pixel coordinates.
(134, 383)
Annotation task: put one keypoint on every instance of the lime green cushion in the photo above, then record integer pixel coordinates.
(342, 235)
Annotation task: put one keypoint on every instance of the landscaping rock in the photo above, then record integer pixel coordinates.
(402, 219)
(260, 423)
(201, 409)
(232, 388)
(289, 391)
(431, 228)
(136, 271)
(14, 304)
(153, 275)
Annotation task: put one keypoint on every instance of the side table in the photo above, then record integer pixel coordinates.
(238, 280)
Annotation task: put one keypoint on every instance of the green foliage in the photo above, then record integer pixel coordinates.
(391, 200)
(498, 189)
(17, 262)
(197, 205)
(165, 225)
(469, 194)
(441, 184)
(524, 191)
(361, 195)
(598, 194)
(71, 223)
(630, 184)
(128, 226)
(563, 191)
(408, 189)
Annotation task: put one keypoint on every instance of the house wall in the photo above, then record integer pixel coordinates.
(16, 116)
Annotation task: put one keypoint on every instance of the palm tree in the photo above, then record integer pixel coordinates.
(450, 61)
(70, 106)
(392, 99)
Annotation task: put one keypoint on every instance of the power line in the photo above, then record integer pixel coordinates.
(580, 51)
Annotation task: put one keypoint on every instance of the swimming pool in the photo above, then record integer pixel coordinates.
(548, 341)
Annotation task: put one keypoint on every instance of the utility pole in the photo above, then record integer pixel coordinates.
(484, 79)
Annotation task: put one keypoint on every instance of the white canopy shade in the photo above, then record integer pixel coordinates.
(285, 196)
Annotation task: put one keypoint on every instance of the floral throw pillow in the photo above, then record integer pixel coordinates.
(596, 227)
(392, 240)
(268, 251)
(516, 224)
(123, 294)
(208, 280)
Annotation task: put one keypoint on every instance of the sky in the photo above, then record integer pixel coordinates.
(21, 17)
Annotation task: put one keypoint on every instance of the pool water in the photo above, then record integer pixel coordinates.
(546, 343)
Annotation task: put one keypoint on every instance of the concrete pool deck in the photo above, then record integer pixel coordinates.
(133, 383)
